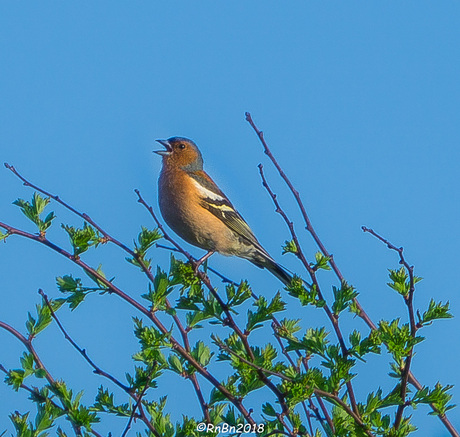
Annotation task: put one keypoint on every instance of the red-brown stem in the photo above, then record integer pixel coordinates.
(27, 342)
(137, 405)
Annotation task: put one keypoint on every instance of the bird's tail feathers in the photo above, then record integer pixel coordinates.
(264, 260)
(284, 275)
(279, 271)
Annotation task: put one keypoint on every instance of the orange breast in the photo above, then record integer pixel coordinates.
(181, 209)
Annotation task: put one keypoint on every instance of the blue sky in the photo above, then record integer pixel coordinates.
(358, 100)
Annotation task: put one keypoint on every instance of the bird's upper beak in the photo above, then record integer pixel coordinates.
(166, 145)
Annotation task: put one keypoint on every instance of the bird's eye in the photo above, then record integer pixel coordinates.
(181, 146)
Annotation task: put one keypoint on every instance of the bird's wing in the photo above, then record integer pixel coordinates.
(216, 202)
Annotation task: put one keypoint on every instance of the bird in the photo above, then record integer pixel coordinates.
(197, 210)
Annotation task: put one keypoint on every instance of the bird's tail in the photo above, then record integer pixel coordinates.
(273, 267)
(280, 272)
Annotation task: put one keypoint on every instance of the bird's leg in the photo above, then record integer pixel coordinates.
(203, 259)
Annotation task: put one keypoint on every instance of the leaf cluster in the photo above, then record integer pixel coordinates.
(34, 209)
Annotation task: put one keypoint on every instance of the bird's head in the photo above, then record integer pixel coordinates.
(181, 152)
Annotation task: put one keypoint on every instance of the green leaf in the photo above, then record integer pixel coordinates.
(40, 373)
(322, 262)
(193, 318)
(343, 297)
(15, 378)
(400, 281)
(370, 344)
(314, 341)
(201, 353)
(290, 247)
(151, 341)
(104, 403)
(83, 238)
(68, 283)
(435, 311)
(161, 289)
(268, 409)
(398, 339)
(44, 318)
(264, 311)
(145, 240)
(32, 210)
(176, 364)
(161, 422)
(288, 327)
(182, 273)
(306, 296)
(2, 237)
(239, 295)
(438, 396)
(99, 282)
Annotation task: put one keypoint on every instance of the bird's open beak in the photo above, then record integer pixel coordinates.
(166, 145)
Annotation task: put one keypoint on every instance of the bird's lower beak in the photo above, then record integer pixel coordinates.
(166, 145)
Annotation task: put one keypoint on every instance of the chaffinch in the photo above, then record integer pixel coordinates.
(199, 212)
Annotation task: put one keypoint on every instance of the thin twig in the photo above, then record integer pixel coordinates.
(82, 352)
(321, 405)
(203, 403)
(138, 404)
